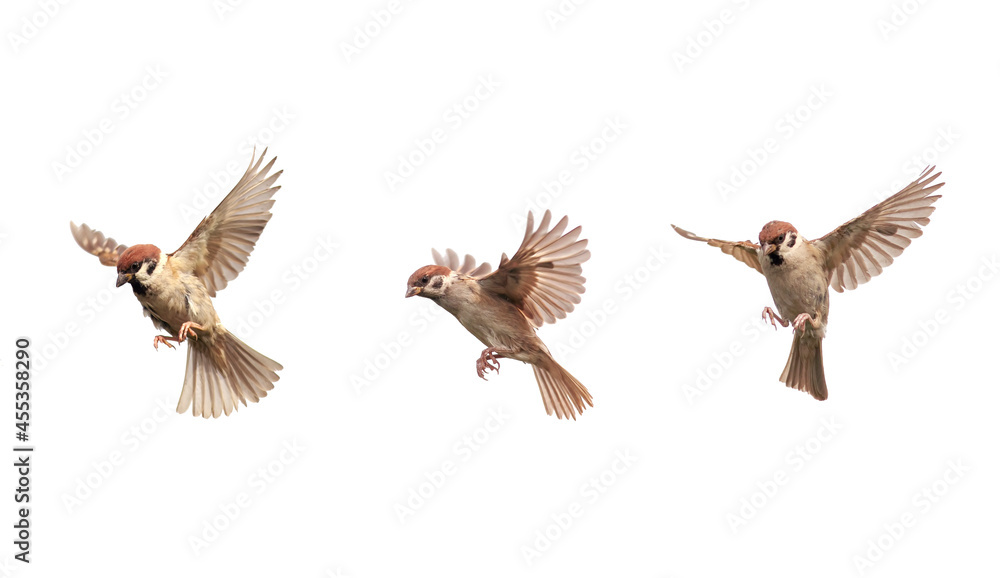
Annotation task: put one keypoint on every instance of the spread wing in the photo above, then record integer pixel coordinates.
(95, 243)
(466, 266)
(744, 251)
(859, 249)
(219, 247)
(543, 277)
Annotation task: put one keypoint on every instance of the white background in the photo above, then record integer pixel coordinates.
(220, 78)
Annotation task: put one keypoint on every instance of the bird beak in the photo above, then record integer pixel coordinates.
(769, 248)
(123, 278)
(411, 291)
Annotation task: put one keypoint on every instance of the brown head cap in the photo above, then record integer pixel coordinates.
(773, 230)
(137, 254)
(428, 271)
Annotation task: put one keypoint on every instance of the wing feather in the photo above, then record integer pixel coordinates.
(466, 266)
(94, 242)
(218, 249)
(543, 278)
(861, 248)
(743, 251)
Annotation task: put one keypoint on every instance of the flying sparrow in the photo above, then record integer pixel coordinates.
(176, 290)
(799, 272)
(503, 309)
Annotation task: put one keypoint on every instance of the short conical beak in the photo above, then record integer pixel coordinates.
(123, 278)
(411, 291)
(769, 248)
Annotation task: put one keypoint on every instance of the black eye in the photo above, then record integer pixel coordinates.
(424, 279)
(781, 238)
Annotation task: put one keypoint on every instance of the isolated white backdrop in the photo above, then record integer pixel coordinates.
(205, 80)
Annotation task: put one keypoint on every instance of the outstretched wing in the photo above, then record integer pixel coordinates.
(95, 243)
(543, 277)
(220, 246)
(466, 266)
(859, 249)
(743, 251)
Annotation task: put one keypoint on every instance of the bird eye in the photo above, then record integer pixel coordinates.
(781, 238)
(424, 279)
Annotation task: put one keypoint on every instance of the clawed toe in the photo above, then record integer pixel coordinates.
(801, 320)
(187, 330)
(157, 340)
(769, 315)
(487, 361)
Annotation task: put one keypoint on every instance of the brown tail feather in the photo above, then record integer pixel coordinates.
(218, 378)
(561, 392)
(804, 369)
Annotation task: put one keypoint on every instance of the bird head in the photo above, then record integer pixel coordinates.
(775, 238)
(775, 235)
(429, 281)
(137, 264)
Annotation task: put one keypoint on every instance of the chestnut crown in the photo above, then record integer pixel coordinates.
(133, 257)
(775, 232)
(422, 276)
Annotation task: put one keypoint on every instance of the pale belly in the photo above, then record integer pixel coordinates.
(796, 291)
(169, 309)
(498, 329)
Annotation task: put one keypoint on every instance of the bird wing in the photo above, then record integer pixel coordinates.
(466, 266)
(543, 277)
(859, 249)
(743, 251)
(220, 246)
(94, 242)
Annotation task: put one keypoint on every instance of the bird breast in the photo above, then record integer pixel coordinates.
(495, 321)
(175, 298)
(799, 285)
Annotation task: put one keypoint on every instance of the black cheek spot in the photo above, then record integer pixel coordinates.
(152, 265)
(791, 240)
(437, 283)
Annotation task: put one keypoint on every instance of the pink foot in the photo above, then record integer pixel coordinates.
(771, 316)
(487, 361)
(801, 320)
(187, 330)
(161, 339)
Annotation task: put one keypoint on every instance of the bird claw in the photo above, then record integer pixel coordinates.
(187, 330)
(487, 361)
(769, 315)
(157, 340)
(801, 320)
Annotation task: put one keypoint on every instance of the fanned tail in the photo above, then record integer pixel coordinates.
(228, 372)
(804, 369)
(562, 393)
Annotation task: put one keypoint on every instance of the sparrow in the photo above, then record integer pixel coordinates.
(176, 291)
(799, 272)
(504, 308)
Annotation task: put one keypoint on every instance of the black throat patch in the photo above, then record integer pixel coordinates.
(776, 259)
(137, 287)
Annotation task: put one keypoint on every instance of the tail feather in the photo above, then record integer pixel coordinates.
(217, 379)
(562, 393)
(804, 369)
